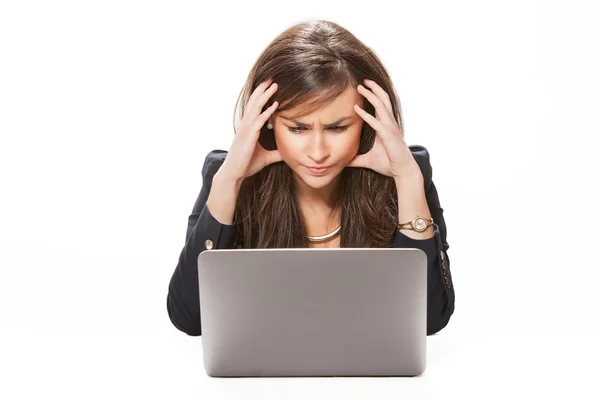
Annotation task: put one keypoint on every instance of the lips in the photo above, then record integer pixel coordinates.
(318, 170)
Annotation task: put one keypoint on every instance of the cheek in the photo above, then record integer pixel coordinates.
(285, 145)
(351, 144)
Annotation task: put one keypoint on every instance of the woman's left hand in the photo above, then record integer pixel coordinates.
(390, 155)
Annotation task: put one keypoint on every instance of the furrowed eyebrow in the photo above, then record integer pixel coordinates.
(302, 124)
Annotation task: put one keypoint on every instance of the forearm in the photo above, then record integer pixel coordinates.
(222, 198)
(412, 202)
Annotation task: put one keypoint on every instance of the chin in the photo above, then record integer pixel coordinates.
(317, 183)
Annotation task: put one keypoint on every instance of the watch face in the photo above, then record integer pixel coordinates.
(420, 224)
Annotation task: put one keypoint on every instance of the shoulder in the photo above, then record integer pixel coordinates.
(213, 161)
(421, 156)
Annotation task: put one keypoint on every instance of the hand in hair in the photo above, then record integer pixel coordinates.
(390, 154)
(246, 156)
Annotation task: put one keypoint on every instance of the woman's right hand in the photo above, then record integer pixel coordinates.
(246, 156)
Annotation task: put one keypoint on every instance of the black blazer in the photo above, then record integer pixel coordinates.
(204, 231)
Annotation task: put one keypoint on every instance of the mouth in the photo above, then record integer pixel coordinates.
(319, 170)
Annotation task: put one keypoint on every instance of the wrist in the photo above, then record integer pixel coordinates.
(224, 179)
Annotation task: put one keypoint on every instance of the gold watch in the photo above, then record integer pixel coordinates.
(419, 224)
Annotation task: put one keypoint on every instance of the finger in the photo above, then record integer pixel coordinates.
(262, 99)
(258, 91)
(359, 161)
(377, 103)
(382, 94)
(272, 156)
(262, 118)
(371, 120)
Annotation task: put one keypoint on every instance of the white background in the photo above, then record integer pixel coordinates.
(108, 108)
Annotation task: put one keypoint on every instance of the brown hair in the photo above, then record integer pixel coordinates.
(313, 63)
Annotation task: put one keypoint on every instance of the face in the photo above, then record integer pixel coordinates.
(320, 139)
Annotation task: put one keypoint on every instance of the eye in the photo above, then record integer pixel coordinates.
(296, 129)
(339, 128)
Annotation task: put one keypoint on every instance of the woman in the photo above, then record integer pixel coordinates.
(318, 160)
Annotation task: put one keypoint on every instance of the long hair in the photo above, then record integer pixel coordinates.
(313, 63)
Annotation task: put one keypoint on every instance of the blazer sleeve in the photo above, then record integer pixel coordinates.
(440, 290)
(183, 298)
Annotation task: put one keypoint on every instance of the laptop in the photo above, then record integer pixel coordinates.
(313, 311)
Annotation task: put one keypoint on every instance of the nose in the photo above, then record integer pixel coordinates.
(318, 150)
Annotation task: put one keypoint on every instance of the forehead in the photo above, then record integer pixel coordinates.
(344, 102)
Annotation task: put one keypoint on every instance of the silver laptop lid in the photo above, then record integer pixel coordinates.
(313, 311)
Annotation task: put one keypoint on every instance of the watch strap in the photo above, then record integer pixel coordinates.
(401, 225)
